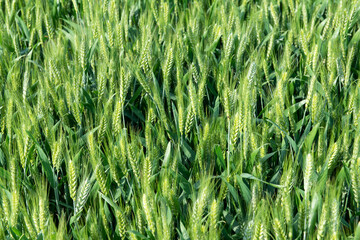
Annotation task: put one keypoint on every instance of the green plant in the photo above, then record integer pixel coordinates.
(193, 119)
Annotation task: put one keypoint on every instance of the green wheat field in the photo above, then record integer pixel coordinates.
(180, 119)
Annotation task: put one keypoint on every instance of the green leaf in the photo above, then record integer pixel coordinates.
(253, 155)
(232, 190)
(23, 237)
(167, 155)
(311, 136)
(136, 233)
(266, 157)
(15, 232)
(23, 27)
(220, 159)
(293, 108)
(184, 184)
(291, 141)
(109, 201)
(47, 167)
(245, 191)
(184, 233)
(212, 47)
(249, 176)
(4, 174)
(137, 112)
(189, 153)
(40, 236)
(357, 232)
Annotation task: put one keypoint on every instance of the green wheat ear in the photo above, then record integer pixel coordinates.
(72, 179)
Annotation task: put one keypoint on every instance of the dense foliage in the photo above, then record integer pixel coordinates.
(204, 119)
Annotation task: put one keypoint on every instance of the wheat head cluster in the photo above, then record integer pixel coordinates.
(179, 119)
